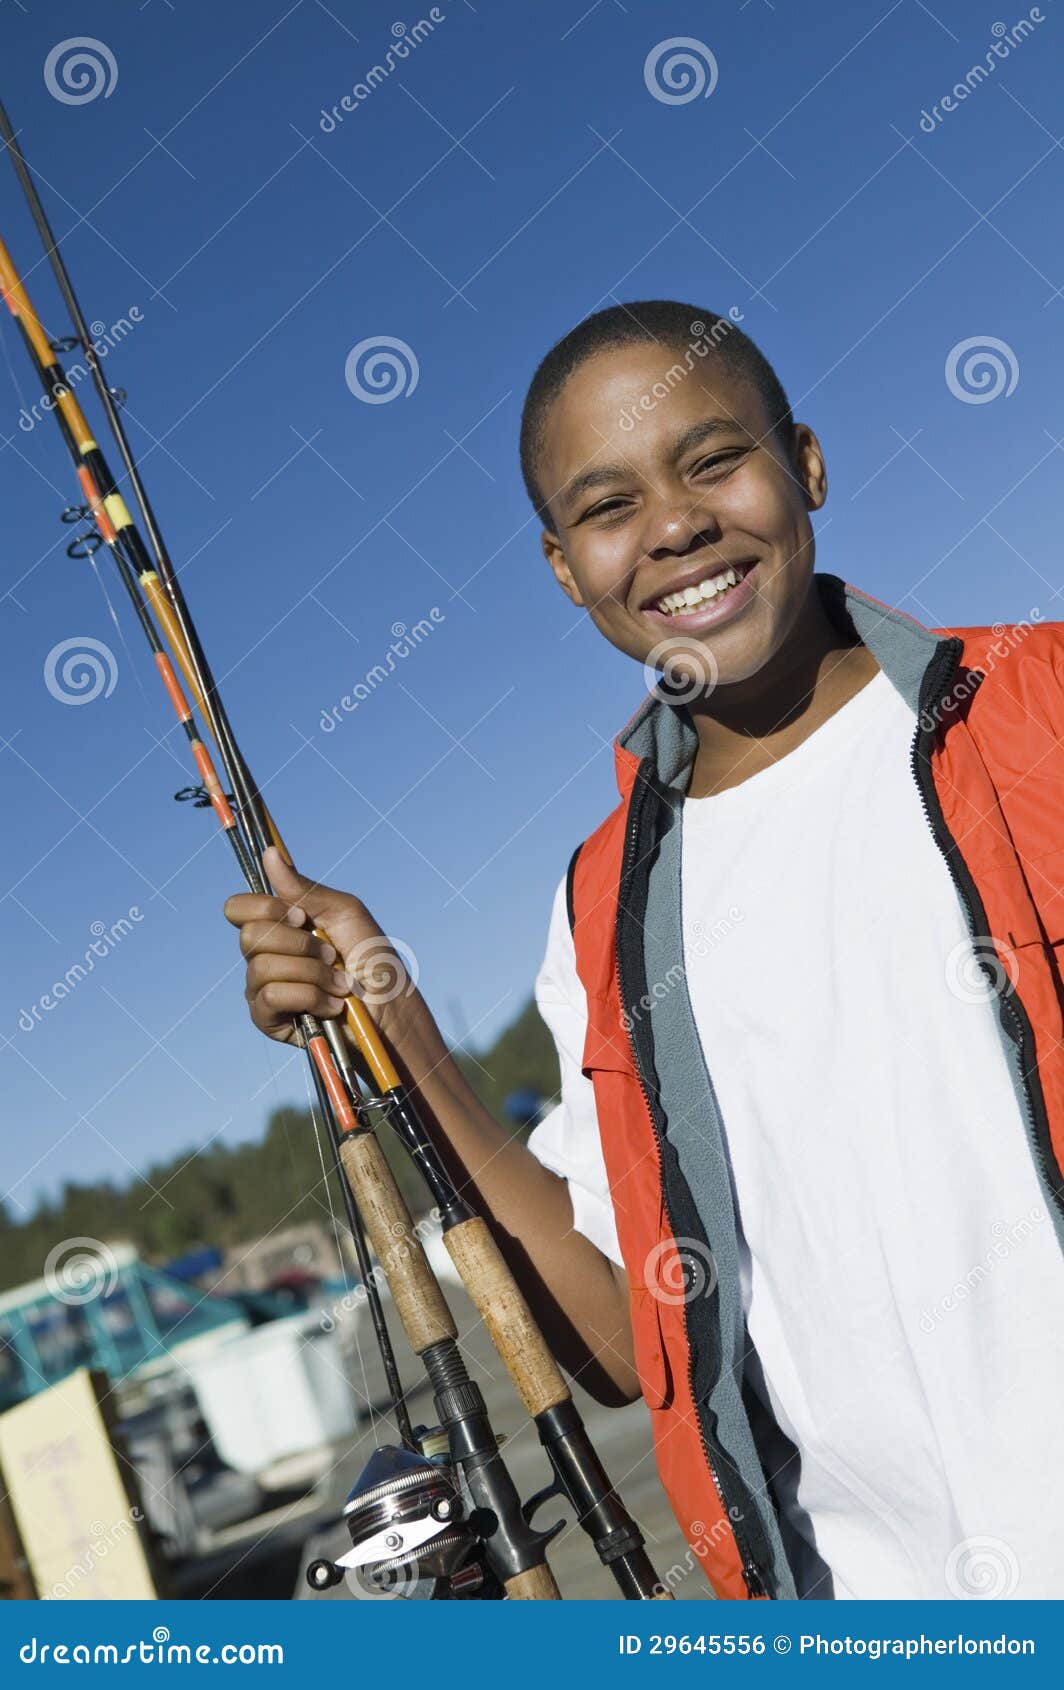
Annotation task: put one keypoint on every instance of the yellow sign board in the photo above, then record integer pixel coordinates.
(81, 1530)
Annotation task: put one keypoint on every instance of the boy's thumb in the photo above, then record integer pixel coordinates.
(292, 886)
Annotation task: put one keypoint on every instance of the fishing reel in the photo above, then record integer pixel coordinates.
(412, 1535)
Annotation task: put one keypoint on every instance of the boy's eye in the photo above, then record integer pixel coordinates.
(608, 508)
(719, 460)
(616, 508)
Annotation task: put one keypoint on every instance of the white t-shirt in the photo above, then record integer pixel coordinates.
(902, 1280)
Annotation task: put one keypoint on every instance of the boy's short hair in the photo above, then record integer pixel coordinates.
(695, 334)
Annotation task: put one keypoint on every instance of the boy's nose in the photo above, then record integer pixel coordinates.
(672, 525)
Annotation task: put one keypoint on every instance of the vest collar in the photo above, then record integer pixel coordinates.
(665, 733)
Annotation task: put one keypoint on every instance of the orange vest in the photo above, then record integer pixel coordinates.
(988, 760)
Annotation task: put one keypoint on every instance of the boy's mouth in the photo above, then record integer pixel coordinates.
(706, 599)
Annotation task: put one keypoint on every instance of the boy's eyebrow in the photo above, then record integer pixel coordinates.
(696, 435)
(699, 432)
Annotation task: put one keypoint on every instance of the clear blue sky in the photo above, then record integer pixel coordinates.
(513, 174)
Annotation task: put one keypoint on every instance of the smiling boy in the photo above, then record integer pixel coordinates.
(803, 987)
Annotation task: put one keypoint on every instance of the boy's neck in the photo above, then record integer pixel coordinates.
(750, 725)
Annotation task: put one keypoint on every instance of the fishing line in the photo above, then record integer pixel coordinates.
(372, 1413)
(120, 631)
(11, 370)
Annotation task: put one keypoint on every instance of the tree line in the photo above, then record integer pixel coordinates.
(227, 1194)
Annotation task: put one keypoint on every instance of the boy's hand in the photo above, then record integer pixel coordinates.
(290, 972)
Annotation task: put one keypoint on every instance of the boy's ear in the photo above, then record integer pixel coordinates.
(810, 467)
(555, 556)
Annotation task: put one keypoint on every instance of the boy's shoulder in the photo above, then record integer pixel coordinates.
(1029, 640)
(1019, 663)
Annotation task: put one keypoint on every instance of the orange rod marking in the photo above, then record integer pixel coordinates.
(173, 686)
(100, 516)
(342, 1109)
(164, 615)
(212, 783)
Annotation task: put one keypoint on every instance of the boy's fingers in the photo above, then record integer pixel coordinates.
(254, 906)
(273, 938)
(295, 970)
(286, 997)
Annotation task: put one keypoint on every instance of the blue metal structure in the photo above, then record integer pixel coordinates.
(130, 1323)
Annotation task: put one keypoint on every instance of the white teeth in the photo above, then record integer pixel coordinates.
(690, 596)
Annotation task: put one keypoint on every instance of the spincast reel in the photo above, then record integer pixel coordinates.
(412, 1535)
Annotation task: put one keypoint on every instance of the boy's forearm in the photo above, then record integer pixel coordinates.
(575, 1291)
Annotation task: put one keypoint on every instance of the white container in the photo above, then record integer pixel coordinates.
(275, 1391)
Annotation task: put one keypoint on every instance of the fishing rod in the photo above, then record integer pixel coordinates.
(117, 532)
(514, 1551)
(397, 1484)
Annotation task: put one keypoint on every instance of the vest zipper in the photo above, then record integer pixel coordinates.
(936, 685)
(753, 1578)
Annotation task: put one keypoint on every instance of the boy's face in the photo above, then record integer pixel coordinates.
(647, 500)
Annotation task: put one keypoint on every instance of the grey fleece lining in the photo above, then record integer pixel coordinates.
(902, 648)
(665, 733)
